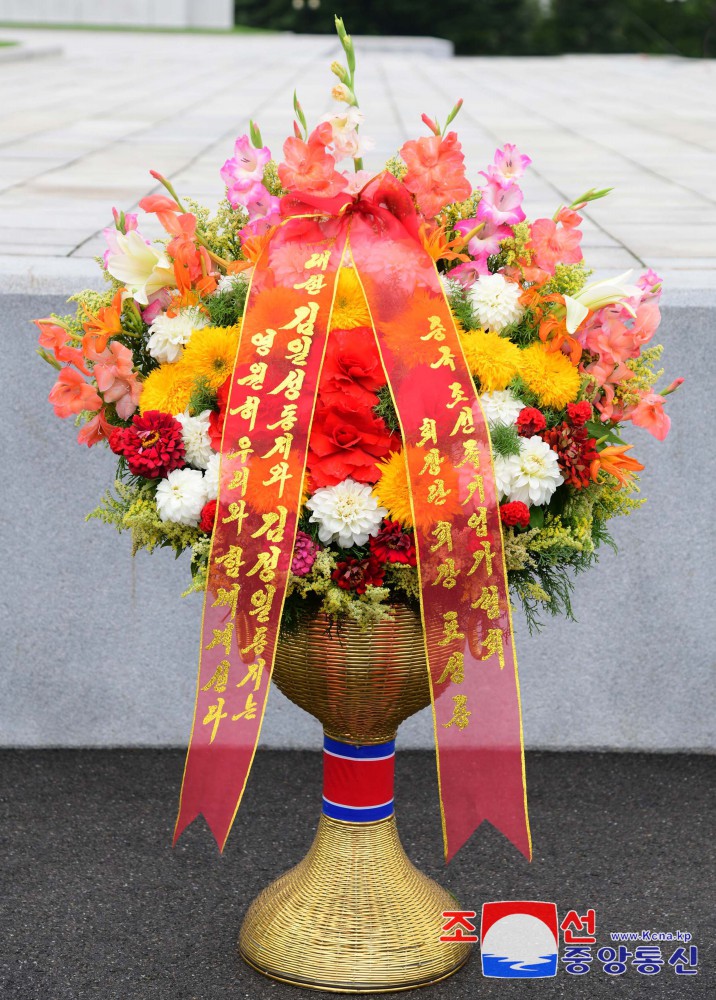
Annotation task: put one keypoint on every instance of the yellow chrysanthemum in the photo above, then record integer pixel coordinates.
(211, 353)
(492, 359)
(168, 388)
(349, 308)
(392, 489)
(549, 374)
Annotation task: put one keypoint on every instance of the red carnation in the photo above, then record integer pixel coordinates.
(347, 443)
(576, 452)
(153, 445)
(393, 544)
(352, 369)
(530, 422)
(357, 574)
(208, 516)
(579, 413)
(217, 418)
(515, 514)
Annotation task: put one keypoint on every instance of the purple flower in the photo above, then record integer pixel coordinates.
(501, 203)
(509, 163)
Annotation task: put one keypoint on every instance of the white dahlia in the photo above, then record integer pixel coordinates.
(211, 476)
(347, 513)
(195, 433)
(500, 407)
(228, 282)
(537, 474)
(496, 302)
(181, 496)
(506, 468)
(168, 334)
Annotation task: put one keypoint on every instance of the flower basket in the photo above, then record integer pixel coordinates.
(375, 408)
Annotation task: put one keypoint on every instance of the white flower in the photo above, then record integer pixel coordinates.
(496, 301)
(181, 496)
(140, 267)
(500, 407)
(197, 443)
(347, 513)
(346, 141)
(227, 282)
(168, 334)
(598, 294)
(536, 475)
(506, 468)
(211, 476)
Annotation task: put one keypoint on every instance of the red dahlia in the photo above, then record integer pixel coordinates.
(515, 514)
(579, 413)
(208, 516)
(153, 445)
(576, 452)
(357, 574)
(530, 422)
(393, 544)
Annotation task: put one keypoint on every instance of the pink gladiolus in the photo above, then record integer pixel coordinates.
(651, 283)
(116, 379)
(71, 394)
(486, 242)
(650, 414)
(111, 232)
(551, 245)
(501, 203)
(509, 164)
(95, 430)
(247, 163)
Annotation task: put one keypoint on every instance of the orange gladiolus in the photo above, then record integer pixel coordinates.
(100, 327)
(553, 333)
(617, 463)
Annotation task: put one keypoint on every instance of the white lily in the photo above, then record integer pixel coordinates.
(598, 294)
(140, 267)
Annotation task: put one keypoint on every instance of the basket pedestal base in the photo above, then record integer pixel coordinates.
(354, 916)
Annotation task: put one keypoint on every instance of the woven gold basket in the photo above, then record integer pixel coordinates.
(355, 915)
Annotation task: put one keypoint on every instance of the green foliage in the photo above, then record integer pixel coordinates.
(505, 440)
(460, 306)
(568, 279)
(385, 409)
(202, 398)
(227, 307)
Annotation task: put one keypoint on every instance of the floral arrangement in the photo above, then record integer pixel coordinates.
(561, 365)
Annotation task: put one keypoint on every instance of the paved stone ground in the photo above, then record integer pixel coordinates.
(80, 130)
(96, 905)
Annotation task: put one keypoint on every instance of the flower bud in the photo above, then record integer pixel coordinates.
(343, 93)
(340, 71)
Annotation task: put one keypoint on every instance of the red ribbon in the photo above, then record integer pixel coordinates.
(465, 607)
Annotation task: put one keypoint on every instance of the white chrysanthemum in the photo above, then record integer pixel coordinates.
(501, 407)
(228, 282)
(506, 468)
(181, 496)
(496, 302)
(537, 475)
(168, 334)
(211, 476)
(347, 513)
(195, 433)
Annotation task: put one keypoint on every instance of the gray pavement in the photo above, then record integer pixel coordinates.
(80, 130)
(97, 906)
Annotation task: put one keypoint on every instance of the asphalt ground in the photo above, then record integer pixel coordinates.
(96, 905)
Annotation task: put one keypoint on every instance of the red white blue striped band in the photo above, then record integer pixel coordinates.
(358, 780)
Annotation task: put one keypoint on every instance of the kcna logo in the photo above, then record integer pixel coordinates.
(519, 940)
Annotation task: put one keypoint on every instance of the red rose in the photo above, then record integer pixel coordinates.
(346, 442)
(515, 514)
(351, 368)
(153, 445)
(530, 422)
(218, 417)
(208, 516)
(579, 413)
(393, 544)
(357, 574)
